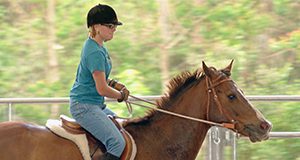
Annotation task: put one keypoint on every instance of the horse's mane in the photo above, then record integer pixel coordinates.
(176, 87)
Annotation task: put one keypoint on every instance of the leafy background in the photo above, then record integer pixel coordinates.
(40, 48)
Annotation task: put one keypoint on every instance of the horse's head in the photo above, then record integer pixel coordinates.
(227, 103)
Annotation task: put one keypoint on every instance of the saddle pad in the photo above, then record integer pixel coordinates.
(79, 139)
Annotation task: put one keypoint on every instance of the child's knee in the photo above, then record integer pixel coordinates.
(121, 142)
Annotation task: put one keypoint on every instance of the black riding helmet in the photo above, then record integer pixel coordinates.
(102, 14)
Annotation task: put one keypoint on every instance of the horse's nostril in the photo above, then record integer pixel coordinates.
(265, 125)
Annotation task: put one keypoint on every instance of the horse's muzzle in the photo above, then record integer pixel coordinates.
(258, 133)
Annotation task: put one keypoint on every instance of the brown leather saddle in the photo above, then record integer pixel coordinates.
(71, 126)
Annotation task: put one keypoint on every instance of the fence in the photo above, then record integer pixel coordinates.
(217, 138)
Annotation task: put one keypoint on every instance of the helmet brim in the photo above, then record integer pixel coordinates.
(118, 23)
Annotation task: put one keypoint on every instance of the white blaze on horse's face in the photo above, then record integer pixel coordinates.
(232, 105)
(251, 121)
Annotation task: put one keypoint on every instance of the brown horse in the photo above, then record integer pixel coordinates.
(207, 94)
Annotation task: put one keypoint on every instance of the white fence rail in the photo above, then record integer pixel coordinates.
(215, 149)
(151, 98)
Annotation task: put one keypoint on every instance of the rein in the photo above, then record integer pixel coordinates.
(210, 88)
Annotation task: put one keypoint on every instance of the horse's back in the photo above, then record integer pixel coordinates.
(26, 141)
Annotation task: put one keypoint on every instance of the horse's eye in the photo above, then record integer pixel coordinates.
(231, 97)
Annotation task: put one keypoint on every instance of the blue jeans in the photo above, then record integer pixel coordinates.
(94, 119)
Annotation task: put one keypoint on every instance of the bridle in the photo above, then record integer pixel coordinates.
(210, 90)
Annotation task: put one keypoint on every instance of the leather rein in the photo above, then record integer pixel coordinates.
(210, 90)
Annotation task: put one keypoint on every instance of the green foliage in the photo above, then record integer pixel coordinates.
(262, 36)
(285, 149)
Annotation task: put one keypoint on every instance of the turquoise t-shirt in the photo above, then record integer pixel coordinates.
(93, 57)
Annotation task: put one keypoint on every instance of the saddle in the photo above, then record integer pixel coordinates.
(74, 129)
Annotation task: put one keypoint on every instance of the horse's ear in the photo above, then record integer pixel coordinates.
(208, 72)
(227, 70)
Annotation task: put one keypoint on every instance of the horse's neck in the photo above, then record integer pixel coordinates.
(174, 134)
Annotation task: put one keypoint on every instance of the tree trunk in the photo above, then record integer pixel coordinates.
(165, 35)
(52, 71)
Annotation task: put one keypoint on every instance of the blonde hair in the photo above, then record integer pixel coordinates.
(92, 31)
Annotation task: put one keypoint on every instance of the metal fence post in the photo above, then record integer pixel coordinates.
(9, 111)
(215, 144)
(234, 152)
(221, 144)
